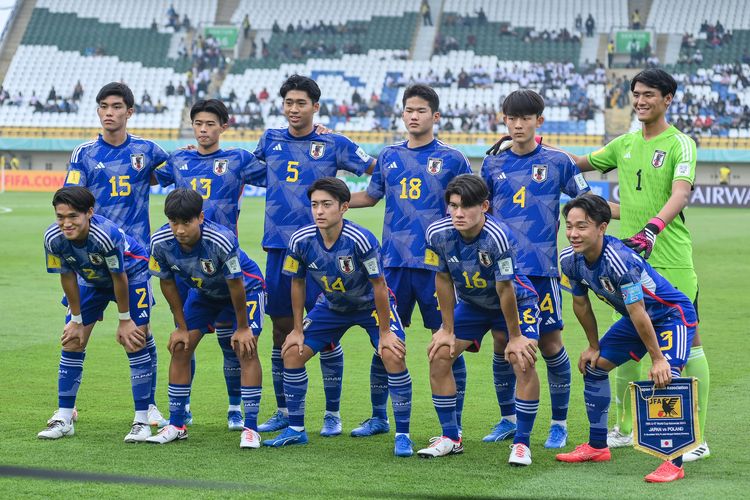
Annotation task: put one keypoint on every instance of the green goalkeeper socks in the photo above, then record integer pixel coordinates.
(697, 366)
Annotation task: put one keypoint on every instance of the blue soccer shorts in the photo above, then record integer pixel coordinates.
(324, 327)
(95, 300)
(621, 343)
(550, 303)
(471, 323)
(279, 287)
(202, 313)
(414, 286)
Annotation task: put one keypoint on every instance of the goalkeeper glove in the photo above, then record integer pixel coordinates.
(506, 142)
(643, 241)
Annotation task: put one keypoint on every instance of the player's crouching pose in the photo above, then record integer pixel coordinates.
(656, 318)
(226, 286)
(112, 267)
(473, 253)
(344, 260)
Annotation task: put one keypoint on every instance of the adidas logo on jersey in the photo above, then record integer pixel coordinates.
(183, 166)
(143, 315)
(530, 329)
(277, 147)
(453, 259)
(550, 321)
(254, 325)
(627, 156)
(175, 268)
(501, 177)
(392, 165)
(99, 165)
(312, 266)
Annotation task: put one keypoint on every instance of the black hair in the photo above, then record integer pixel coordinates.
(523, 102)
(425, 92)
(183, 204)
(333, 186)
(78, 197)
(116, 88)
(471, 188)
(213, 106)
(303, 83)
(595, 207)
(657, 79)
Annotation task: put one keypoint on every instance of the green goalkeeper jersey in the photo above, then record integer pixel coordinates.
(646, 171)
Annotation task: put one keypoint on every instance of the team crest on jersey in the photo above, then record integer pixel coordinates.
(658, 159)
(317, 149)
(346, 264)
(96, 259)
(434, 165)
(606, 284)
(138, 161)
(221, 166)
(208, 267)
(484, 258)
(539, 173)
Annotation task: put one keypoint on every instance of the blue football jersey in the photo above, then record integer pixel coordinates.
(525, 194)
(413, 182)
(621, 276)
(216, 258)
(343, 271)
(293, 164)
(120, 179)
(476, 265)
(219, 177)
(107, 249)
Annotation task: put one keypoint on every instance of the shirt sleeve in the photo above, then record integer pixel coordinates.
(115, 257)
(55, 263)
(505, 268)
(293, 264)
(351, 157)
(605, 159)
(165, 172)
(568, 281)
(376, 188)
(371, 258)
(683, 156)
(77, 174)
(252, 170)
(158, 266)
(433, 257)
(159, 157)
(572, 181)
(260, 148)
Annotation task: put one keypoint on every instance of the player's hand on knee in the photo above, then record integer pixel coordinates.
(178, 340)
(588, 357)
(660, 372)
(72, 335)
(389, 340)
(295, 340)
(130, 336)
(524, 350)
(244, 343)
(440, 339)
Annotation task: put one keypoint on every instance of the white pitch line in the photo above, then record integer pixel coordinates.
(5, 210)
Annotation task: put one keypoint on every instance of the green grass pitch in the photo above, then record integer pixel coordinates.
(342, 466)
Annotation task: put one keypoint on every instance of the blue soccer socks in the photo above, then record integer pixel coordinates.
(277, 375)
(69, 378)
(459, 374)
(525, 414)
(558, 376)
(505, 384)
(295, 390)
(596, 394)
(445, 406)
(151, 346)
(251, 402)
(399, 386)
(231, 365)
(178, 398)
(378, 388)
(141, 376)
(332, 368)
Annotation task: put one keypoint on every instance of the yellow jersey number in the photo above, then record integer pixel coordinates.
(120, 185)
(202, 187)
(414, 190)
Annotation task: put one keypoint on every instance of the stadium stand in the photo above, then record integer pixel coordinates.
(691, 14)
